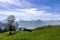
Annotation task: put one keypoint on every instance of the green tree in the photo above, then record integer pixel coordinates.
(10, 22)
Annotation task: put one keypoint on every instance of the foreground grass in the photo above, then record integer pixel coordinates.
(48, 33)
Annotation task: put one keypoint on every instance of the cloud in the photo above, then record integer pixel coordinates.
(31, 11)
(23, 9)
(31, 14)
(13, 4)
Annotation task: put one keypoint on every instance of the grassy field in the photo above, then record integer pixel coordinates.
(48, 33)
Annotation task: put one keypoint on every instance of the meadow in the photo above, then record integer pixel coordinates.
(45, 33)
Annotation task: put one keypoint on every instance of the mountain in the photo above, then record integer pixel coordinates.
(53, 22)
(31, 24)
(37, 23)
(1, 25)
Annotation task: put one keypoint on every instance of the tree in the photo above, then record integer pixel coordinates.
(10, 22)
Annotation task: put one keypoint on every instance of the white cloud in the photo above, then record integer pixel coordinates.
(31, 11)
(12, 3)
(6, 1)
(31, 14)
(27, 13)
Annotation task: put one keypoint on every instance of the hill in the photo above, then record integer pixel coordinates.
(46, 33)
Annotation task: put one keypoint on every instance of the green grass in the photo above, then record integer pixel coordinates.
(48, 33)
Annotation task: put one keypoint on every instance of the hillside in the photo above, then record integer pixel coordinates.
(48, 33)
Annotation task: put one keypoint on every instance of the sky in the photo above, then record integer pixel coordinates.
(30, 9)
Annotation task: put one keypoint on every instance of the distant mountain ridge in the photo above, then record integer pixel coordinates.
(34, 23)
(37, 23)
(31, 24)
(53, 22)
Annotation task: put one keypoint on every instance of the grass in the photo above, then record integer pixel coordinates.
(46, 33)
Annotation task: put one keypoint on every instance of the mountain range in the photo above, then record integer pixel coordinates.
(34, 23)
(31, 24)
(37, 23)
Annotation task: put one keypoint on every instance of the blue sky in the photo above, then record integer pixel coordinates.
(30, 9)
